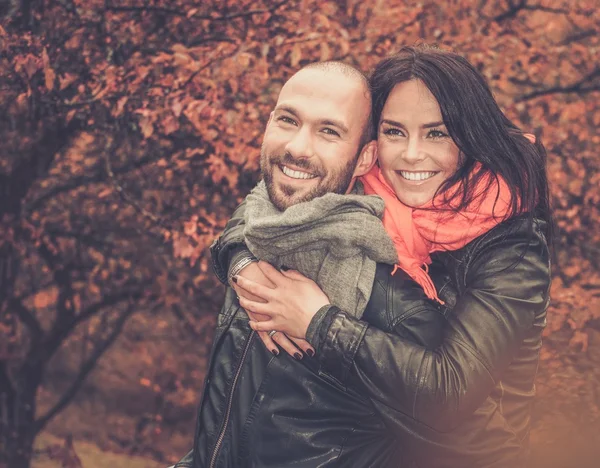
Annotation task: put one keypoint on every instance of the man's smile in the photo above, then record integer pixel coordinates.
(296, 174)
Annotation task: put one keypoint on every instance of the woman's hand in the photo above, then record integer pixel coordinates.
(254, 273)
(291, 303)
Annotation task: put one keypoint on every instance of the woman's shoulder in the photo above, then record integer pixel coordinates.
(520, 230)
(519, 241)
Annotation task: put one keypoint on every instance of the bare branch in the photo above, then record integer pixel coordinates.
(64, 328)
(173, 12)
(27, 317)
(141, 9)
(582, 86)
(80, 181)
(151, 216)
(84, 371)
(271, 9)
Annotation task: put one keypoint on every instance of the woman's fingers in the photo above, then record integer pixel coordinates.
(252, 287)
(282, 340)
(271, 272)
(260, 308)
(268, 342)
(294, 275)
(267, 325)
(304, 346)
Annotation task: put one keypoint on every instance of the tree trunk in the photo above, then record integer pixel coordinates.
(17, 420)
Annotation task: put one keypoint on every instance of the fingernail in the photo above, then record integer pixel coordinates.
(234, 279)
(275, 352)
(298, 356)
(310, 352)
(284, 268)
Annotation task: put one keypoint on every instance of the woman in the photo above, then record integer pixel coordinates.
(470, 197)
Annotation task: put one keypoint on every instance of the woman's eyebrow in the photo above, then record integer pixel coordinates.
(392, 122)
(433, 124)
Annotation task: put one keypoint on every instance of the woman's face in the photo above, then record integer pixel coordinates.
(415, 152)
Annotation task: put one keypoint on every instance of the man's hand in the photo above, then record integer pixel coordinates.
(254, 273)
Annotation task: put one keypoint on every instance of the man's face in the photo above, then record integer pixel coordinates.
(311, 143)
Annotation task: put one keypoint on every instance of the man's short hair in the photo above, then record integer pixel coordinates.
(368, 133)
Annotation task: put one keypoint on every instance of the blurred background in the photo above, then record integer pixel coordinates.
(130, 130)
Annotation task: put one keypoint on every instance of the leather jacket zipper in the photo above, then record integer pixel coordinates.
(213, 459)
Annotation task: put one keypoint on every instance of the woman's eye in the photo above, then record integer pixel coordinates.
(437, 134)
(330, 131)
(393, 132)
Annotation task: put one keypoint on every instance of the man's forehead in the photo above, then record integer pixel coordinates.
(317, 81)
(317, 89)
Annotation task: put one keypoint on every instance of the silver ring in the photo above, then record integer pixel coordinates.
(271, 333)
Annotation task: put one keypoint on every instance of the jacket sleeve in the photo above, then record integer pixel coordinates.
(230, 245)
(507, 287)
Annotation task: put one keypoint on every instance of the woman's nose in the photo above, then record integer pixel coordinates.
(414, 152)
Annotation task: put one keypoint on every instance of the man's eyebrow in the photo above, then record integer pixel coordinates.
(335, 123)
(286, 108)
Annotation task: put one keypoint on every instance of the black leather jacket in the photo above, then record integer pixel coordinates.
(411, 384)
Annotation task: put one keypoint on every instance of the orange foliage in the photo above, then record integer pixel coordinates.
(130, 130)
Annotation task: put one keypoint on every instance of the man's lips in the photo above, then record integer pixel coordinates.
(294, 173)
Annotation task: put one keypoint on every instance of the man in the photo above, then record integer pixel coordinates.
(258, 409)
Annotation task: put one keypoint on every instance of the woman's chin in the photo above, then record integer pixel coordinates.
(414, 200)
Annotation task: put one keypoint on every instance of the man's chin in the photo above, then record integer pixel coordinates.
(283, 199)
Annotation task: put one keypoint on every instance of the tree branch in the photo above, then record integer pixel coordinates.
(27, 317)
(244, 14)
(80, 181)
(577, 87)
(140, 9)
(84, 371)
(62, 330)
(126, 198)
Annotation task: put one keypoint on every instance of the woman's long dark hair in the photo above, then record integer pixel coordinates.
(476, 124)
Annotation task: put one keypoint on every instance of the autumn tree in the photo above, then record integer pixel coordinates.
(130, 130)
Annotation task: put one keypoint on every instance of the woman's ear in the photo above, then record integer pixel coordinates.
(366, 159)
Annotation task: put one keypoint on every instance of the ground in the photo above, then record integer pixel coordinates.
(114, 419)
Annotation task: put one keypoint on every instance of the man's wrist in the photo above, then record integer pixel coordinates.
(242, 261)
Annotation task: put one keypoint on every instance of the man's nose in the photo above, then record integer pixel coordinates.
(301, 144)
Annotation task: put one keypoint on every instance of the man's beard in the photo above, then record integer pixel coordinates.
(336, 181)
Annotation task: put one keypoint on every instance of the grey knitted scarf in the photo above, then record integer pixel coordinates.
(335, 240)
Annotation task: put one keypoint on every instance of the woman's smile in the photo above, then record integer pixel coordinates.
(417, 176)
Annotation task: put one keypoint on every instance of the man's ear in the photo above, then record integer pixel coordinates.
(366, 159)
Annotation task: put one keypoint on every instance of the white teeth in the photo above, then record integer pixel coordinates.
(417, 175)
(296, 174)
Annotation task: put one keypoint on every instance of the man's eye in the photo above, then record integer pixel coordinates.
(286, 119)
(330, 131)
(393, 132)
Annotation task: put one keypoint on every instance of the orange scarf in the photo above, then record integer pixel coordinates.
(434, 227)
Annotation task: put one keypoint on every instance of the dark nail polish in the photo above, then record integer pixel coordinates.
(310, 352)
(284, 268)
(275, 352)
(298, 356)
(234, 279)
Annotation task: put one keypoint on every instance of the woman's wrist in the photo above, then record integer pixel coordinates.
(317, 324)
